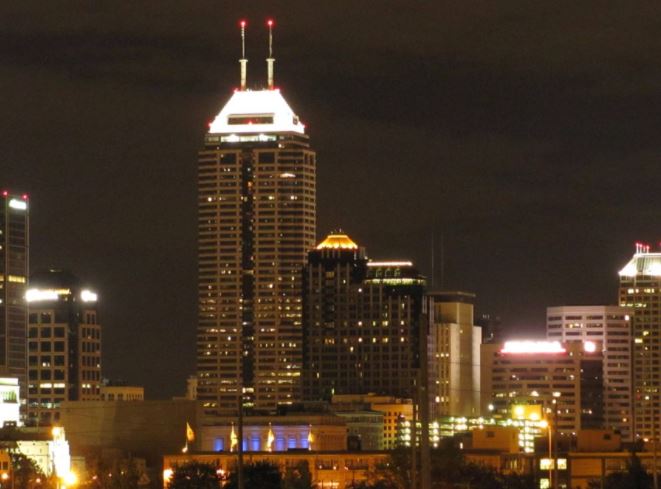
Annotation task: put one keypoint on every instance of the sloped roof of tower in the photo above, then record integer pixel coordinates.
(256, 111)
(337, 241)
(643, 264)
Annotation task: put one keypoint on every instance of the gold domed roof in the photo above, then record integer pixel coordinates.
(337, 241)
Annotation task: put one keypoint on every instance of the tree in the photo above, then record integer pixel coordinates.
(298, 477)
(634, 477)
(26, 472)
(194, 475)
(262, 475)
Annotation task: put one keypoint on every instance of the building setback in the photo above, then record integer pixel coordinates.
(256, 223)
(64, 345)
(609, 326)
(14, 266)
(361, 323)
(640, 290)
(565, 378)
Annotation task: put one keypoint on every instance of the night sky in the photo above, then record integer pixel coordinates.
(525, 133)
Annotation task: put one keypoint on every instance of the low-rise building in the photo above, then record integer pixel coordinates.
(120, 392)
(394, 410)
(329, 470)
(305, 431)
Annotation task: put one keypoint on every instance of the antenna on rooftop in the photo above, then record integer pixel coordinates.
(243, 61)
(270, 60)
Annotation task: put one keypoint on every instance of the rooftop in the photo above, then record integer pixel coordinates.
(644, 263)
(337, 241)
(255, 112)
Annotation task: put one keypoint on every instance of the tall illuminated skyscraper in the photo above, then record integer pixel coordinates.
(256, 223)
(640, 289)
(14, 247)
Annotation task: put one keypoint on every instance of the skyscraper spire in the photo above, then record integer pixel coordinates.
(243, 61)
(270, 60)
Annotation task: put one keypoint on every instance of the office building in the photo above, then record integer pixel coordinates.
(121, 391)
(564, 378)
(640, 290)
(64, 345)
(453, 355)
(362, 321)
(609, 326)
(256, 223)
(394, 412)
(14, 266)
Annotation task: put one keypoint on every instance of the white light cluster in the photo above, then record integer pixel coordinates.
(390, 264)
(532, 346)
(36, 295)
(88, 296)
(256, 103)
(18, 204)
(643, 264)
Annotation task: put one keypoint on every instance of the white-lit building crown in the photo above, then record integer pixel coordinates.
(643, 264)
(256, 111)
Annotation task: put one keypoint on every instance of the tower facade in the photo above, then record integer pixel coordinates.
(454, 354)
(14, 266)
(362, 321)
(64, 345)
(256, 223)
(640, 290)
(610, 327)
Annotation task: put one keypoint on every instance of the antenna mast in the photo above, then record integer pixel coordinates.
(270, 60)
(243, 61)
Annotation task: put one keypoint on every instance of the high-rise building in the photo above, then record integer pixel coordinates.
(453, 355)
(564, 378)
(256, 223)
(609, 326)
(640, 289)
(362, 321)
(14, 266)
(64, 345)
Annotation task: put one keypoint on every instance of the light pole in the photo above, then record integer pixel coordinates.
(556, 395)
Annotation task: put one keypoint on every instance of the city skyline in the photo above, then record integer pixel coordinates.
(527, 156)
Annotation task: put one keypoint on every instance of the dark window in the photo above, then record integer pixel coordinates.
(61, 317)
(249, 119)
(45, 375)
(59, 346)
(45, 332)
(59, 332)
(58, 360)
(45, 346)
(34, 318)
(32, 333)
(267, 157)
(46, 317)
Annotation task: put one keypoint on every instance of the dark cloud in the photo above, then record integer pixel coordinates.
(524, 133)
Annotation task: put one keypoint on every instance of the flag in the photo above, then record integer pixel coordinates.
(190, 434)
(310, 438)
(234, 440)
(270, 439)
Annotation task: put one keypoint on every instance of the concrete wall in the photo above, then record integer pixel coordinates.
(146, 429)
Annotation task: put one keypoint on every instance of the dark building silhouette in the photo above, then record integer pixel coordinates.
(361, 322)
(14, 266)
